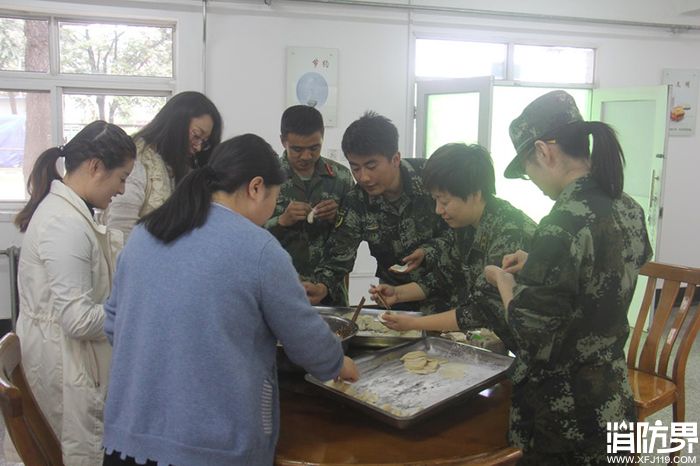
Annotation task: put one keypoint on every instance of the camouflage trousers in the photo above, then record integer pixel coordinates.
(560, 417)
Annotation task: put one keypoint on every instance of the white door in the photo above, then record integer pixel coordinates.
(640, 117)
(452, 110)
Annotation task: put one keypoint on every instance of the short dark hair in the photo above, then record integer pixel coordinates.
(301, 119)
(460, 170)
(371, 134)
(168, 131)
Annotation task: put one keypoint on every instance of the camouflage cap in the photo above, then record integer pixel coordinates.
(541, 117)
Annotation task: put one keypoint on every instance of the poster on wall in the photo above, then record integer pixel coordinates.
(684, 100)
(312, 79)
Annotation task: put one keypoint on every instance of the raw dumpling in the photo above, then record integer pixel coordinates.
(418, 362)
(398, 268)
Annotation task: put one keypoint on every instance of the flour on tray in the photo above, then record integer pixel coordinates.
(453, 370)
(367, 396)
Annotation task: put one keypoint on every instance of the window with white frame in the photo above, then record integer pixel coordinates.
(460, 59)
(520, 74)
(57, 74)
(507, 62)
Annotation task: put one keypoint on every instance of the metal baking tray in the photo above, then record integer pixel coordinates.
(401, 398)
(370, 339)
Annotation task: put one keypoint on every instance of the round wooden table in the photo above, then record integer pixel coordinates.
(317, 430)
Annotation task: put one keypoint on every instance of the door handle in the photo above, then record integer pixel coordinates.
(652, 196)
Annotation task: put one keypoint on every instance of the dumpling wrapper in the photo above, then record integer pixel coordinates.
(310, 217)
(430, 366)
(398, 268)
(414, 355)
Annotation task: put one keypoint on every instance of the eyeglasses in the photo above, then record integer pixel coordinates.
(524, 159)
(202, 143)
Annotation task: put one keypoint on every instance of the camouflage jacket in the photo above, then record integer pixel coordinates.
(392, 230)
(503, 229)
(568, 317)
(305, 241)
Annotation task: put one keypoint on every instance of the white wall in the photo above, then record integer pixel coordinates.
(246, 66)
(246, 75)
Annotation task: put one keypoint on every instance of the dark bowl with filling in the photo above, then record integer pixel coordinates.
(343, 328)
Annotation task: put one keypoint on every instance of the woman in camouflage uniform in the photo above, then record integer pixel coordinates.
(565, 301)
(484, 228)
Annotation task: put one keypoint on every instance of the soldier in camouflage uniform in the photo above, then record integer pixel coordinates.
(566, 305)
(315, 184)
(485, 228)
(388, 208)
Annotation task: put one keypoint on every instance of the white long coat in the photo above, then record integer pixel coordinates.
(65, 274)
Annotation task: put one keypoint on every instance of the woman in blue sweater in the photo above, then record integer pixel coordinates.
(201, 296)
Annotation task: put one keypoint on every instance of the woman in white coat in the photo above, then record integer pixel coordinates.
(65, 275)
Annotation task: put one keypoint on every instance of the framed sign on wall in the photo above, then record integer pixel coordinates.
(684, 100)
(312, 79)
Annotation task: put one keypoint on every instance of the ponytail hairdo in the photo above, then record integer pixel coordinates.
(98, 140)
(607, 158)
(233, 164)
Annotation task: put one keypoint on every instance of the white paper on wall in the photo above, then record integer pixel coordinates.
(684, 100)
(312, 79)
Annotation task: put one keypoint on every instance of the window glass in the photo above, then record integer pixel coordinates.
(452, 118)
(25, 132)
(24, 45)
(508, 104)
(536, 65)
(553, 64)
(131, 112)
(458, 59)
(116, 49)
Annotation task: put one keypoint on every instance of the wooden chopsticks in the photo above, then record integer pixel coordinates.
(382, 302)
(357, 311)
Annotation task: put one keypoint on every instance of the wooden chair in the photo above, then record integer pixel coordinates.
(653, 387)
(31, 433)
